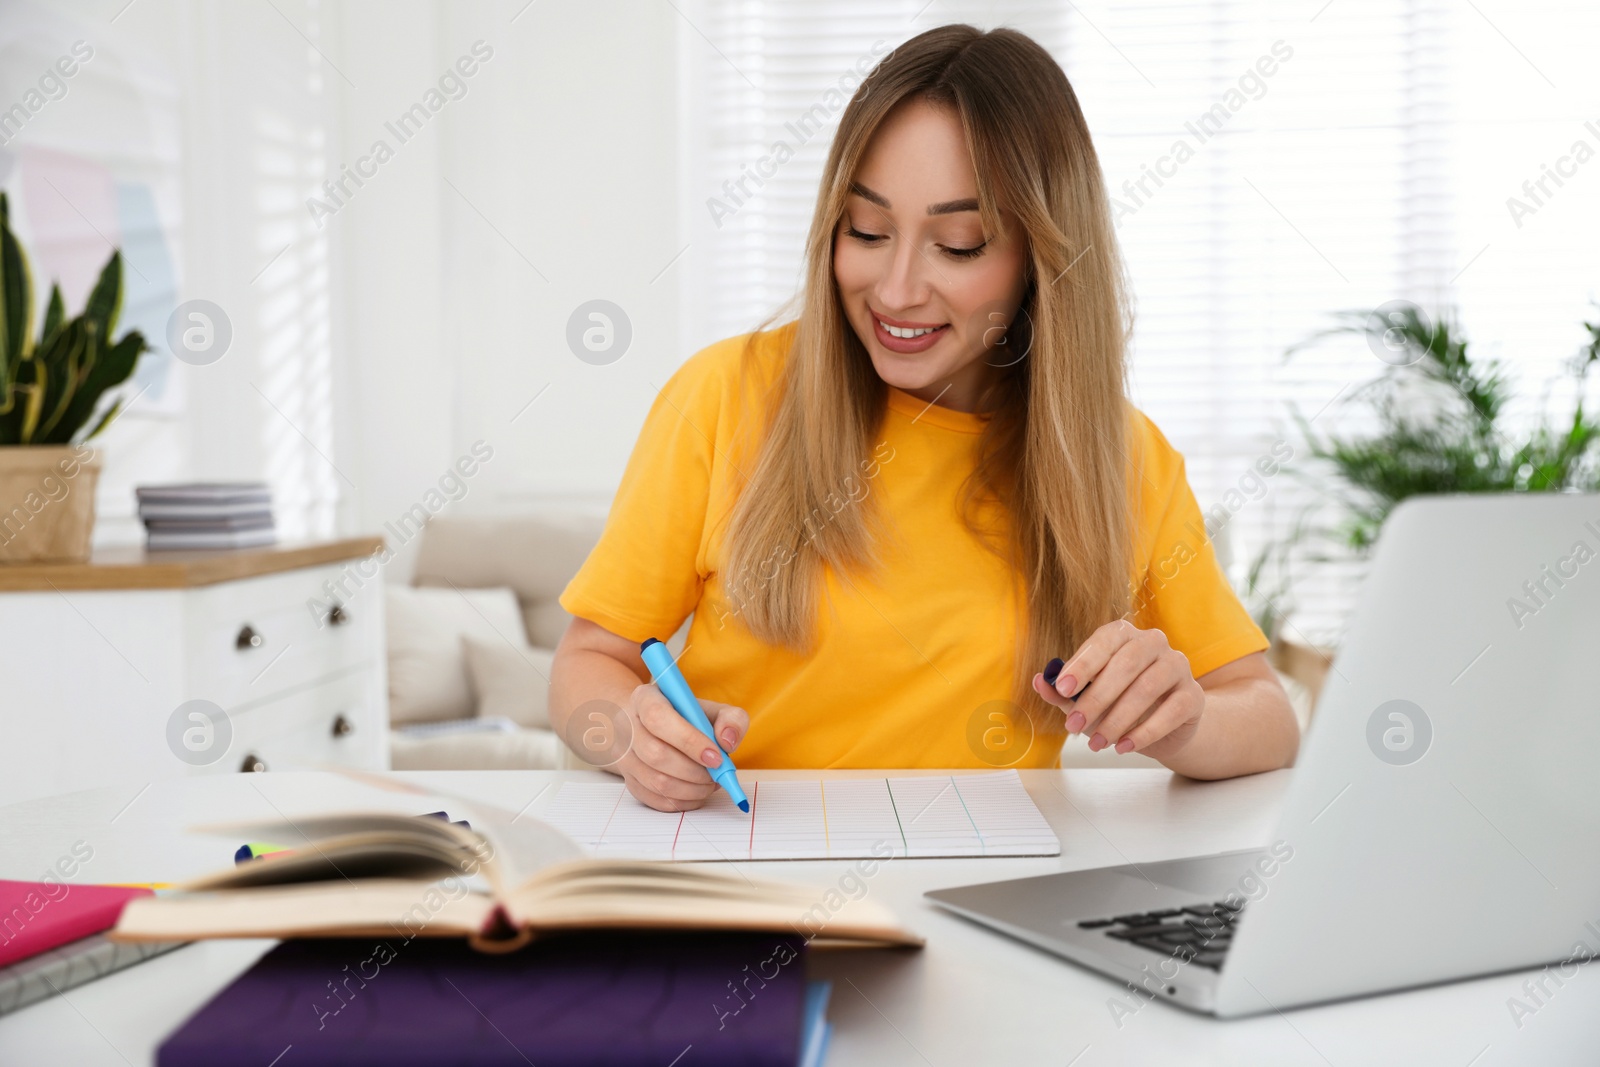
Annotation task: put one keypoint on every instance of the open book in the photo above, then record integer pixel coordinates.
(388, 875)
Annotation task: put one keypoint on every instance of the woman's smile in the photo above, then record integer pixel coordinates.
(904, 337)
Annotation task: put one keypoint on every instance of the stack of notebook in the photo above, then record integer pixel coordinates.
(203, 515)
(431, 941)
(53, 938)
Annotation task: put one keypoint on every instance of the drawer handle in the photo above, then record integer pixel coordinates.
(342, 726)
(253, 764)
(337, 616)
(248, 638)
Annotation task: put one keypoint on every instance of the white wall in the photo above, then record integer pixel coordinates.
(374, 348)
(562, 174)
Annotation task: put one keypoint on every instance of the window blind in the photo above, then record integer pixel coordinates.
(1270, 163)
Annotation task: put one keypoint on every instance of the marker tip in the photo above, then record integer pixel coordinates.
(744, 806)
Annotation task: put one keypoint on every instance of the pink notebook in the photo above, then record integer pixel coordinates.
(36, 917)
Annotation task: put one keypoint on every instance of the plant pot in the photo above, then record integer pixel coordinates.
(46, 503)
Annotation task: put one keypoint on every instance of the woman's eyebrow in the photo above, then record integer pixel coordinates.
(948, 207)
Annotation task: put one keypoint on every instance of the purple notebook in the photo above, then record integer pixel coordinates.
(692, 1000)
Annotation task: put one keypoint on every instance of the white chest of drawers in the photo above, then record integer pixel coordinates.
(97, 659)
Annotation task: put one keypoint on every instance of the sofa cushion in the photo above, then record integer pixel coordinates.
(509, 681)
(427, 664)
(536, 555)
(524, 750)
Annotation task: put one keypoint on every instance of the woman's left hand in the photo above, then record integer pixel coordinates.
(1144, 697)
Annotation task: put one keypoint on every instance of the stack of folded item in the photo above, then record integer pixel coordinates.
(207, 515)
(53, 938)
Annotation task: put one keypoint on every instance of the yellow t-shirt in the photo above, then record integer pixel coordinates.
(903, 661)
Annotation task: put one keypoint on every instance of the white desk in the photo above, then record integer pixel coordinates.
(970, 997)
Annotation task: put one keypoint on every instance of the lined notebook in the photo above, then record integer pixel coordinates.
(923, 817)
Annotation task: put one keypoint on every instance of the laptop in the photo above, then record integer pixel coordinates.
(1442, 818)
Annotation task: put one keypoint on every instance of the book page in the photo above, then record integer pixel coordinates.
(596, 893)
(497, 848)
(385, 907)
(987, 814)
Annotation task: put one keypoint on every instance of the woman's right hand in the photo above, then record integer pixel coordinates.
(667, 765)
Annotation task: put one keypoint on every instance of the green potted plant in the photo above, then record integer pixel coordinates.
(1439, 426)
(1434, 424)
(51, 387)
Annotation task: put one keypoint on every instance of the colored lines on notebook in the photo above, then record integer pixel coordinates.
(987, 814)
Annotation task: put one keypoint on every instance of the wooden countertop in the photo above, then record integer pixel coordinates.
(135, 567)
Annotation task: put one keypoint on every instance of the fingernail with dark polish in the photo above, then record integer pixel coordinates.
(1052, 669)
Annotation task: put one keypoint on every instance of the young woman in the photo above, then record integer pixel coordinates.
(887, 516)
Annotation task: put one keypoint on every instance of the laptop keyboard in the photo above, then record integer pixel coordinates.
(1199, 933)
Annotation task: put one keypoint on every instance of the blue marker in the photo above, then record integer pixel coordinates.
(676, 689)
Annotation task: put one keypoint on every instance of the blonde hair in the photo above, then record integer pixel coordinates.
(1054, 450)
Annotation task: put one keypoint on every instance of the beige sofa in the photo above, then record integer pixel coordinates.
(534, 556)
